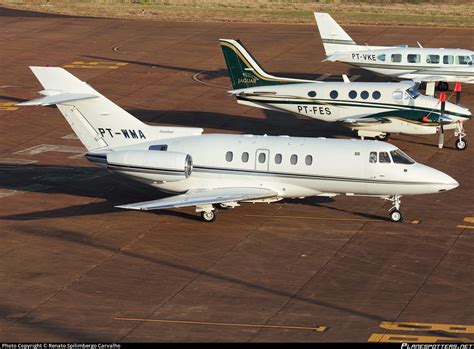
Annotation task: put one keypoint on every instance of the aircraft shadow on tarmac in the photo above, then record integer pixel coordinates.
(66, 333)
(13, 99)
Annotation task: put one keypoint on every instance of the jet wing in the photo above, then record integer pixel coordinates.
(203, 197)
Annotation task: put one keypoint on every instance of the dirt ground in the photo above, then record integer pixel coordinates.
(408, 13)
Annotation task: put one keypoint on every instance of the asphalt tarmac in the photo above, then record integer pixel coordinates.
(74, 268)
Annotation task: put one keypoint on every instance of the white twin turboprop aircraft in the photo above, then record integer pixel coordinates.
(430, 65)
(374, 109)
(203, 170)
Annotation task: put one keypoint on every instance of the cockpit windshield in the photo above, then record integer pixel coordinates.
(400, 157)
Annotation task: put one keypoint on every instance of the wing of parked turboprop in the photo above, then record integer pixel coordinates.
(204, 197)
(361, 121)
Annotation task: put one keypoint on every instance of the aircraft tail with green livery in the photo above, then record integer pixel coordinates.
(244, 70)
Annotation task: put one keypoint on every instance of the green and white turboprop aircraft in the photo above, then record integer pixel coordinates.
(374, 109)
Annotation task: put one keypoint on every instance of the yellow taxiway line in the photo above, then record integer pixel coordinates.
(316, 329)
(401, 338)
(467, 220)
(423, 326)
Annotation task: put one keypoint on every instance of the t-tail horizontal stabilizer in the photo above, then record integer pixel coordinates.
(97, 121)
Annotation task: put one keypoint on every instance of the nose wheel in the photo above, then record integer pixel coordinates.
(395, 214)
(461, 142)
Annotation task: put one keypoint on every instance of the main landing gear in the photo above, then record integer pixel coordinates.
(208, 213)
(395, 213)
(209, 216)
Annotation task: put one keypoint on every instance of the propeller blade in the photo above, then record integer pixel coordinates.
(457, 90)
(442, 98)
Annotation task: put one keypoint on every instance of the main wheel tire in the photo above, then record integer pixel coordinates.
(461, 144)
(224, 207)
(209, 216)
(383, 138)
(443, 86)
(396, 216)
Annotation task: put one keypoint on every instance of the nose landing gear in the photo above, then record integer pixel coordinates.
(395, 213)
(461, 142)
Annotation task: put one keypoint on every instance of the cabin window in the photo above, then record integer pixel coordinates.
(278, 159)
(432, 59)
(398, 95)
(229, 156)
(245, 157)
(413, 58)
(294, 159)
(312, 94)
(364, 94)
(400, 157)
(352, 94)
(334, 94)
(384, 158)
(376, 95)
(373, 157)
(262, 157)
(464, 59)
(396, 58)
(381, 57)
(308, 160)
(448, 59)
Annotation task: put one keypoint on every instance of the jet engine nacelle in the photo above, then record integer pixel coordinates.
(151, 165)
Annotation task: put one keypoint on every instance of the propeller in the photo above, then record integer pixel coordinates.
(457, 90)
(441, 119)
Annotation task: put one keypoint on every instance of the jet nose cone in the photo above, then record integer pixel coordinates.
(448, 183)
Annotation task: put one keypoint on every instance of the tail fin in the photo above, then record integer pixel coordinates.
(334, 38)
(97, 121)
(244, 70)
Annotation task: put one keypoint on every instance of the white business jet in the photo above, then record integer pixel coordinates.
(204, 170)
(374, 109)
(429, 65)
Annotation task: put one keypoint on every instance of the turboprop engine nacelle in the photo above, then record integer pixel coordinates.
(151, 165)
